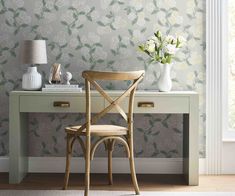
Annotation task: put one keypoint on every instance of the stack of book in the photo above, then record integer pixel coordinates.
(61, 88)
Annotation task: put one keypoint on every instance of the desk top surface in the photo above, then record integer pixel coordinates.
(111, 92)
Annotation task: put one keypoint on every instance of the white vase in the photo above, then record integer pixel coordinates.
(164, 81)
(32, 80)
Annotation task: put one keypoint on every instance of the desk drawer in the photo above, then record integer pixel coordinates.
(161, 104)
(58, 104)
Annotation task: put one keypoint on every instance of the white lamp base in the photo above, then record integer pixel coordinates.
(32, 80)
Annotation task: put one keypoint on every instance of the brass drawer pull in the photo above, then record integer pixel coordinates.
(61, 104)
(145, 104)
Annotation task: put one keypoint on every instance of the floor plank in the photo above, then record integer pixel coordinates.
(147, 182)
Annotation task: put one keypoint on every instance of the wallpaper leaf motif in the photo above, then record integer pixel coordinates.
(103, 35)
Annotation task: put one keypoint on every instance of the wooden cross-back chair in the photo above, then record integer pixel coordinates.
(108, 133)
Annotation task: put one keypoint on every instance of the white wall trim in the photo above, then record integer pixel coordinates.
(4, 164)
(99, 165)
(202, 166)
(215, 98)
(228, 163)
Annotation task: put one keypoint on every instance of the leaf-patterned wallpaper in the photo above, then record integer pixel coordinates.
(103, 35)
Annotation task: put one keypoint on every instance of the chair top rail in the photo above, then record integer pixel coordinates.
(99, 75)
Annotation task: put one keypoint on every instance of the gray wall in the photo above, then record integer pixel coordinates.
(103, 35)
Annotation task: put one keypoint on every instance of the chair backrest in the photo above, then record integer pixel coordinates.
(91, 78)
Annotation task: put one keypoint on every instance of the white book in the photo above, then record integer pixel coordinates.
(63, 86)
(62, 89)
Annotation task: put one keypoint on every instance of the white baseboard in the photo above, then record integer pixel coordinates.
(202, 166)
(99, 165)
(228, 159)
(4, 164)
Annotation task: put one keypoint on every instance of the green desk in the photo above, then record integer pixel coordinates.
(24, 102)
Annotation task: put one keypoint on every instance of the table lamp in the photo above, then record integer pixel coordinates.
(33, 52)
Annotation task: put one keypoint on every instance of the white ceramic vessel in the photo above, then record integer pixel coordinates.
(164, 81)
(32, 80)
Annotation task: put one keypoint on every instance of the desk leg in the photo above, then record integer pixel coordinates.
(18, 154)
(190, 142)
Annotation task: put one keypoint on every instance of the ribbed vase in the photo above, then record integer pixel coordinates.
(32, 80)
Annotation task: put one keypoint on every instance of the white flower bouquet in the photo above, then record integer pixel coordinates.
(162, 49)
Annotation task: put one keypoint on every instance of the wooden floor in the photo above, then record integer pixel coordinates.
(122, 182)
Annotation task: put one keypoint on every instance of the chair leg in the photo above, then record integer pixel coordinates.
(87, 175)
(132, 167)
(68, 157)
(110, 152)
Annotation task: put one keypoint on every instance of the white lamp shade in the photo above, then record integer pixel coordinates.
(33, 52)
